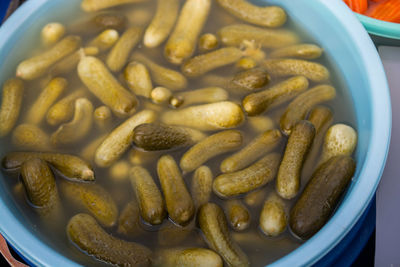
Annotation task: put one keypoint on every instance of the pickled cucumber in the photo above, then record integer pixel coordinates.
(96, 5)
(201, 186)
(95, 75)
(129, 220)
(156, 136)
(148, 195)
(288, 67)
(238, 215)
(119, 140)
(297, 110)
(63, 110)
(183, 39)
(36, 66)
(30, 137)
(258, 147)
(105, 40)
(236, 34)
(199, 96)
(138, 78)
(297, 148)
(321, 195)
(188, 257)
(302, 51)
(204, 63)
(177, 198)
(250, 80)
(270, 16)
(210, 147)
(119, 54)
(215, 116)
(94, 198)
(162, 23)
(13, 91)
(207, 42)
(52, 32)
(214, 226)
(45, 100)
(256, 103)
(70, 166)
(273, 218)
(78, 128)
(87, 234)
(102, 117)
(246, 180)
(161, 75)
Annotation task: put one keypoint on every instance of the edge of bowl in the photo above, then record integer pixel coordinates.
(379, 27)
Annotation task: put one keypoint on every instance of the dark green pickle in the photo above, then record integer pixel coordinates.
(321, 196)
(250, 80)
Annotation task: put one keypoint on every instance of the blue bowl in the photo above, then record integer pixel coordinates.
(355, 58)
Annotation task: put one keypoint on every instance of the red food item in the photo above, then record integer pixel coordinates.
(359, 6)
(388, 10)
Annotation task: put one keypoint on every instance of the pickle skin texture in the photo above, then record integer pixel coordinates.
(288, 67)
(301, 51)
(236, 34)
(36, 66)
(119, 54)
(45, 100)
(201, 185)
(199, 96)
(259, 102)
(207, 42)
(188, 257)
(297, 110)
(119, 140)
(321, 195)
(51, 33)
(155, 136)
(207, 117)
(204, 63)
(89, 236)
(253, 177)
(183, 39)
(96, 5)
(163, 76)
(250, 80)
(148, 195)
(238, 215)
(70, 166)
(129, 220)
(210, 147)
(177, 198)
(138, 78)
(94, 198)
(13, 92)
(78, 128)
(297, 148)
(214, 226)
(63, 110)
(95, 75)
(31, 137)
(258, 147)
(39, 183)
(270, 16)
(273, 218)
(162, 23)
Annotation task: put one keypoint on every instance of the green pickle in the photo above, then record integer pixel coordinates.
(250, 80)
(238, 215)
(13, 92)
(129, 220)
(155, 136)
(210, 147)
(201, 185)
(253, 177)
(94, 198)
(321, 195)
(297, 148)
(70, 166)
(148, 195)
(179, 203)
(214, 226)
(187, 257)
(90, 237)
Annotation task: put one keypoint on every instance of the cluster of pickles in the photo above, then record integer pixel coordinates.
(133, 103)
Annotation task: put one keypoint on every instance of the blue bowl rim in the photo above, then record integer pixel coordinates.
(379, 27)
(40, 254)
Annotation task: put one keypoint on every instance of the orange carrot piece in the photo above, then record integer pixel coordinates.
(359, 6)
(388, 11)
